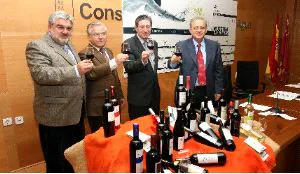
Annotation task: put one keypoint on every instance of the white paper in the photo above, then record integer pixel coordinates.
(284, 95)
(285, 116)
(256, 106)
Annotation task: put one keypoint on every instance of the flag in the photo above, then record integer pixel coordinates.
(284, 53)
(272, 64)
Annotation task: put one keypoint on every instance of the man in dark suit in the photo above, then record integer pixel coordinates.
(143, 87)
(59, 85)
(201, 60)
(103, 75)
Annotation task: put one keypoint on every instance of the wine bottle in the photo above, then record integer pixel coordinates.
(114, 101)
(136, 151)
(108, 116)
(218, 158)
(227, 138)
(222, 107)
(159, 131)
(204, 117)
(230, 110)
(180, 94)
(191, 115)
(178, 132)
(167, 141)
(205, 139)
(206, 128)
(249, 111)
(235, 120)
(153, 161)
(188, 89)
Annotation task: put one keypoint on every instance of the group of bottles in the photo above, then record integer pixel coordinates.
(160, 156)
(228, 118)
(111, 112)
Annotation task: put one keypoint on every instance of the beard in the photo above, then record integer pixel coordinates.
(59, 40)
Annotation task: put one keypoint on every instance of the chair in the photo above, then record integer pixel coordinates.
(247, 80)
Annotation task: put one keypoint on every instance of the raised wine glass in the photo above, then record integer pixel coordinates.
(126, 48)
(177, 50)
(150, 44)
(89, 53)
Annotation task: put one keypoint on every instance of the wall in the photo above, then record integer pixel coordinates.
(23, 21)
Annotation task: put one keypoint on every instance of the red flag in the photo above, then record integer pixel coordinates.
(284, 53)
(273, 54)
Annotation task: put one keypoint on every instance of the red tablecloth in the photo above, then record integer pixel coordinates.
(112, 154)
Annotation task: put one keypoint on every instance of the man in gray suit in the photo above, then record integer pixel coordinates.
(199, 52)
(143, 87)
(59, 84)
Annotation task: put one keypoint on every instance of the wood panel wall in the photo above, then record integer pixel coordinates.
(19, 145)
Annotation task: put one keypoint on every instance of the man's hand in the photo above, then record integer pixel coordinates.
(120, 58)
(145, 56)
(85, 66)
(175, 59)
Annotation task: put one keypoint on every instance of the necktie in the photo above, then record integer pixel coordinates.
(201, 67)
(69, 52)
(103, 52)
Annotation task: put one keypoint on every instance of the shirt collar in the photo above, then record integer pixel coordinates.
(196, 43)
(141, 40)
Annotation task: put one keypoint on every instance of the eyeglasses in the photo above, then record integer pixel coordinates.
(98, 34)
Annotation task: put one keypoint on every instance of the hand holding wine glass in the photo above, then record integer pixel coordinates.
(177, 50)
(89, 53)
(177, 57)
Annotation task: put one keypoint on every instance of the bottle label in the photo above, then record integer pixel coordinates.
(180, 143)
(117, 115)
(193, 125)
(227, 134)
(160, 150)
(204, 126)
(139, 160)
(223, 113)
(182, 98)
(207, 158)
(207, 137)
(171, 146)
(250, 118)
(186, 135)
(195, 169)
(157, 167)
(111, 116)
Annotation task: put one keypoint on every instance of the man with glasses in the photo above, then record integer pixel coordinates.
(59, 84)
(143, 87)
(201, 60)
(103, 75)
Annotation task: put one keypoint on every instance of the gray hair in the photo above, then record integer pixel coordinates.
(92, 24)
(197, 18)
(59, 15)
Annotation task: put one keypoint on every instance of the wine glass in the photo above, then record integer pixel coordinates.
(126, 48)
(150, 44)
(263, 124)
(89, 53)
(177, 50)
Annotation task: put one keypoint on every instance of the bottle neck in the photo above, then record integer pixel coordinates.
(135, 131)
(112, 92)
(180, 80)
(106, 96)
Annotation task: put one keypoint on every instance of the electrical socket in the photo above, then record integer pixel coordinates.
(19, 120)
(7, 121)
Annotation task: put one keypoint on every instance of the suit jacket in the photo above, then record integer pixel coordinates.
(143, 87)
(100, 78)
(214, 65)
(59, 92)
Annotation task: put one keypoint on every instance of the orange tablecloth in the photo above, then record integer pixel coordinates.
(112, 154)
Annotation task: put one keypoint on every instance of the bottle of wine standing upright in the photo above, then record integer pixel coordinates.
(114, 101)
(108, 116)
(136, 151)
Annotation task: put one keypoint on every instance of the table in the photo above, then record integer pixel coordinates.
(112, 154)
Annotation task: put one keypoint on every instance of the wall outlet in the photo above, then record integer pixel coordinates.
(19, 120)
(7, 121)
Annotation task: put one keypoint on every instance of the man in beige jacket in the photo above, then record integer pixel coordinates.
(59, 85)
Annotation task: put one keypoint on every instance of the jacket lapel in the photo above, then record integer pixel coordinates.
(59, 50)
(209, 52)
(191, 51)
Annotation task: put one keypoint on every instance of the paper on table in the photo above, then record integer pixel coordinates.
(143, 137)
(256, 106)
(293, 85)
(285, 116)
(284, 95)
